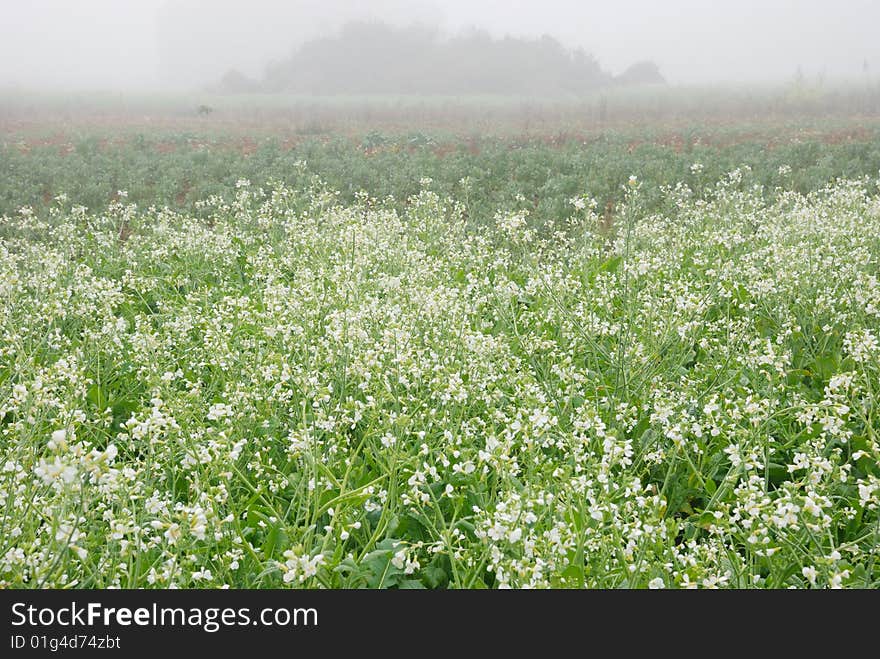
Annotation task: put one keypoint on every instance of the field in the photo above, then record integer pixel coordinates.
(391, 348)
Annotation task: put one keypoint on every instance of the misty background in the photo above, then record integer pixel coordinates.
(186, 44)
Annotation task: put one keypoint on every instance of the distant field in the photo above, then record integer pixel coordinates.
(807, 103)
(625, 341)
(492, 150)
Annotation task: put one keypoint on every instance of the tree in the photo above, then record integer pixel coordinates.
(641, 73)
(371, 58)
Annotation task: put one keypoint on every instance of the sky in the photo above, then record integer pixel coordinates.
(179, 44)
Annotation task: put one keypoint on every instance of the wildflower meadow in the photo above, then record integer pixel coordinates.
(286, 387)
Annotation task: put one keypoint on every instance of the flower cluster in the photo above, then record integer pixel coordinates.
(287, 391)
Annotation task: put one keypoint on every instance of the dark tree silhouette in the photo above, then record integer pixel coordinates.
(641, 73)
(235, 82)
(375, 58)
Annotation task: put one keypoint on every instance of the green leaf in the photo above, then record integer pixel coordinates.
(96, 396)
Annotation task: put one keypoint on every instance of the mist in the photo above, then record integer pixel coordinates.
(187, 44)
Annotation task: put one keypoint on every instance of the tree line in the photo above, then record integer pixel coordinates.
(376, 58)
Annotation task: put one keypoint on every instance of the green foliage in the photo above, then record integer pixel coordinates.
(177, 170)
(509, 364)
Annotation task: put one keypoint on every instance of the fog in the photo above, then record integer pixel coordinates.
(129, 44)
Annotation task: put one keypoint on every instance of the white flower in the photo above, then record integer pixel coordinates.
(173, 533)
(399, 559)
(810, 574)
(58, 439)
